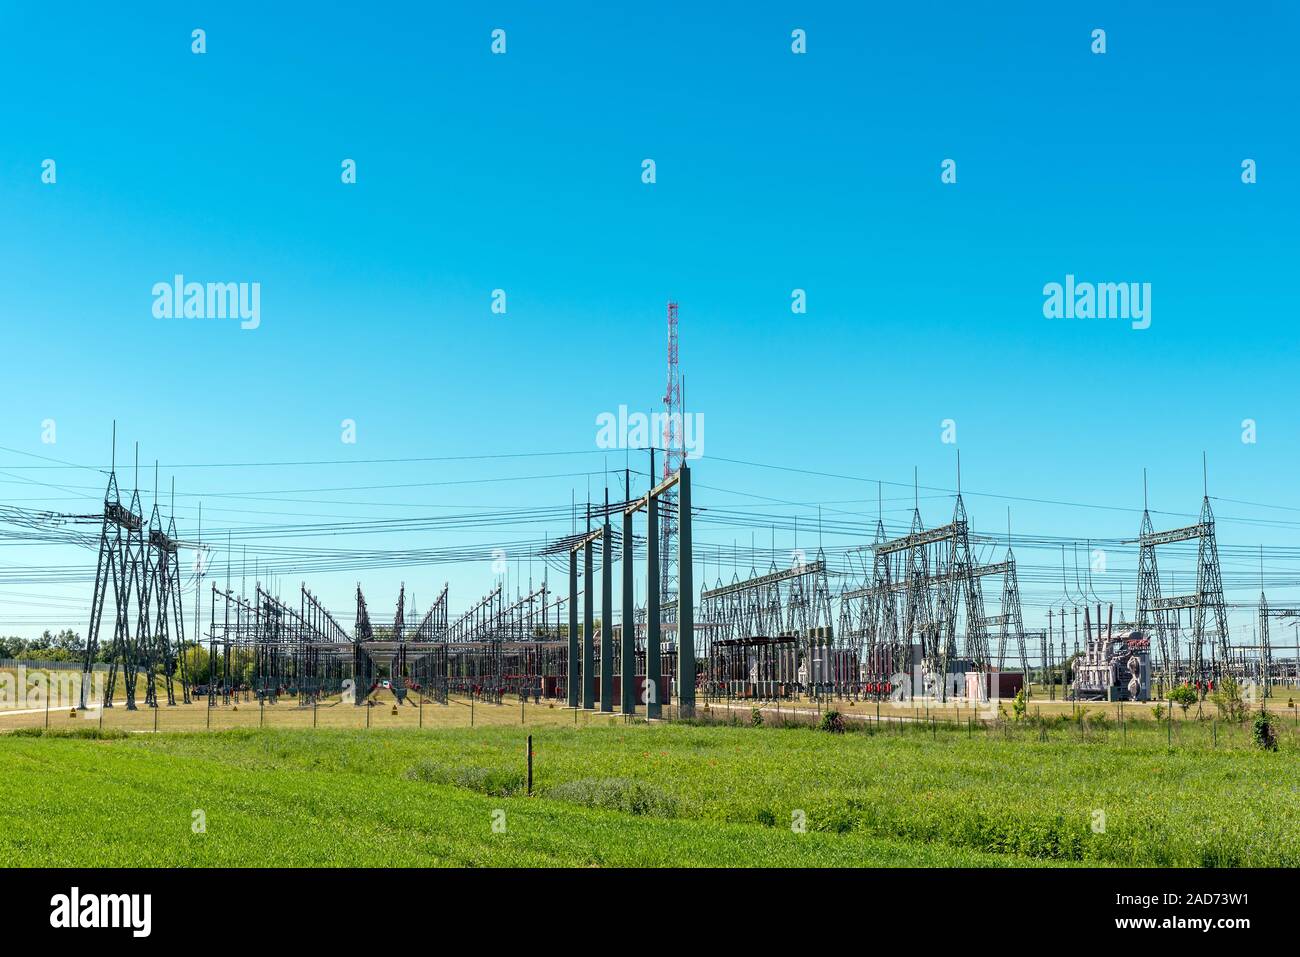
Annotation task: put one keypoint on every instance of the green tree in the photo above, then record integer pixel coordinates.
(1019, 705)
(1184, 696)
(1227, 697)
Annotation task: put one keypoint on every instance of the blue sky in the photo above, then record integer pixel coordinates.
(774, 172)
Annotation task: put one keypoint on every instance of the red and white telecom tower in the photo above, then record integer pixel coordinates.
(673, 456)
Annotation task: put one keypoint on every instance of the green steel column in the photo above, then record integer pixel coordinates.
(627, 680)
(571, 681)
(606, 618)
(685, 598)
(653, 677)
(588, 657)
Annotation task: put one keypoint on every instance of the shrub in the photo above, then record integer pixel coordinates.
(1228, 699)
(1184, 696)
(833, 722)
(1019, 705)
(1264, 732)
(1158, 711)
(756, 717)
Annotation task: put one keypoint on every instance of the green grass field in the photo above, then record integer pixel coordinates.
(641, 795)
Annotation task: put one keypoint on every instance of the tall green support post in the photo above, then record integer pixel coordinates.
(685, 598)
(571, 682)
(627, 677)
(653, 619)
(588, 656)
(606, 618)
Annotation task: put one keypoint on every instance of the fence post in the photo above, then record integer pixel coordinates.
(530, 765)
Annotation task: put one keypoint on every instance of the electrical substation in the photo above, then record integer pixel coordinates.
(617, 622)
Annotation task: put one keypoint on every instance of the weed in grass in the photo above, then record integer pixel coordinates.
(102, 734)
(495, 782)
(617, 794)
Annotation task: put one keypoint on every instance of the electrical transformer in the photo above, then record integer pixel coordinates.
(1115, 666)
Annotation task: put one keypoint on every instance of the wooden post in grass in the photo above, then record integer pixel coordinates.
(47, 703)
(530, 765)
(421, 723)
(155, 719)
(314, 703)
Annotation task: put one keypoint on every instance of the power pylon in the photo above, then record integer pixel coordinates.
(1011, 621)
(110, 572)
(161, 615)
(121, 558)
(1206, 605)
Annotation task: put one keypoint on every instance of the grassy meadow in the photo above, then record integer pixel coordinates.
(1026, 794)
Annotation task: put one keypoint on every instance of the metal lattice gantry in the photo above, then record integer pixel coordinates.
(1205, 606)
(142, 573)
(768, 635)
(1264, 660)
(263, 648)
(428, 667)
(939, 582)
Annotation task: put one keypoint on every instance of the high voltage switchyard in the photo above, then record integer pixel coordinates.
(934, 613)
(914, 611)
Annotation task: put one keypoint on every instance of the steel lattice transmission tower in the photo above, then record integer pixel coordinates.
(111, 574)
(1206, 605)
(1011, 621)
(671, 439)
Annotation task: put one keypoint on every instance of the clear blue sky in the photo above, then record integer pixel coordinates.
(775, 172)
